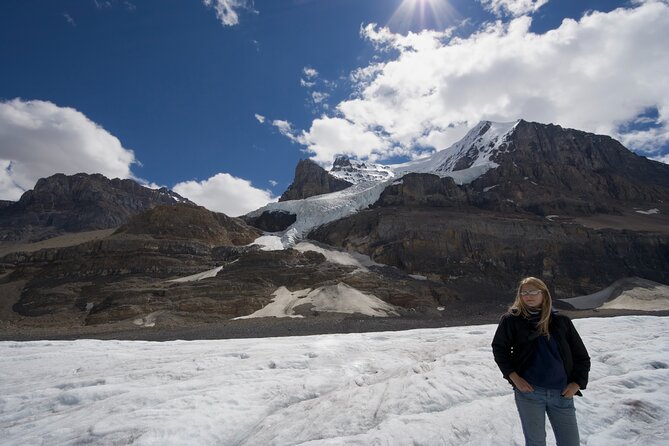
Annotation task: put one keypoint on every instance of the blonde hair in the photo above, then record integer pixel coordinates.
(519, 307)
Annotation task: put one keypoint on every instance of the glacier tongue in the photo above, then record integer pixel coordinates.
(320, 209)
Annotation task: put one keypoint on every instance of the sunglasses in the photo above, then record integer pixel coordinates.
(531, 293)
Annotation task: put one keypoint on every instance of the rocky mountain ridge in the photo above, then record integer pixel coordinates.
(75, 203)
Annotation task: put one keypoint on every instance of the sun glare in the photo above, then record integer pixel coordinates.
(421, 14)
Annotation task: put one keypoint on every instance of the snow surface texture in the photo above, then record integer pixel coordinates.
(429, 387)
(478, 146)
(339, 298)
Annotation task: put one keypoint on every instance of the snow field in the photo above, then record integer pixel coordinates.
(418, 387)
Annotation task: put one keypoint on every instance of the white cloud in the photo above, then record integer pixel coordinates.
(260, 118)
(39, 139)
(227, 10)
(311, 75)
(310, 72)
(285, 128)
(318, 97)
(69, 19)
(514, 8)
(595, 74)
(329, 137)
(307, 84)
(273, 183)
(225, 193)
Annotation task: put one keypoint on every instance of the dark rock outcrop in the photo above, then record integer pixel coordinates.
(75, 203)
(311, 179)
(342, 163)
(271, 221)
(420, 189)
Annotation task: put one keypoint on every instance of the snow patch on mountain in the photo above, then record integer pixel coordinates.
(339, 298)
(360, 172)
(198, 276)
(361, 261)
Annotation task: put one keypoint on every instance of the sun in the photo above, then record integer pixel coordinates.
(412, 14)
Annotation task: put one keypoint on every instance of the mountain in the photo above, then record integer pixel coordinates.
(442, 239)
(75, 203)
(311, 179)
(509, 199)
(525, 167)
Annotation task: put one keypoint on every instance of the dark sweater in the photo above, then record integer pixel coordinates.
(516, 342)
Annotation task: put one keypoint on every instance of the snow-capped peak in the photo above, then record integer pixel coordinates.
(358, 171)
(468, 158)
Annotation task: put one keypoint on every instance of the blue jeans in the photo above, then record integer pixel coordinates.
(533, 407)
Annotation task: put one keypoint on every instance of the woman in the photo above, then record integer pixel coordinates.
(540, 353)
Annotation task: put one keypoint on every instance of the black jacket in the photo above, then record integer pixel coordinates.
(515, 343)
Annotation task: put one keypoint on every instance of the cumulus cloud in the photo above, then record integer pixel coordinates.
(319, 97)
(513, 8)
(285, 128)
(310, 76)
(310, 72)
(596, 74)
(260, 118)
(225, 193)
(39, 139)
(227, 10)
(329, 137)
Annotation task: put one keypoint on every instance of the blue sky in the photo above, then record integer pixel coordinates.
(219, 99)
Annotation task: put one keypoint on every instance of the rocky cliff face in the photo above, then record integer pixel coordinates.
(471, 249)
(311, 179)
(550, 170)
(76, 203)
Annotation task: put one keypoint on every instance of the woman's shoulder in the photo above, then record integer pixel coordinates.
(558, 317)
(510, 317)
(560, 320)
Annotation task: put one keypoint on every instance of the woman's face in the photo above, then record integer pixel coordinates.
(532, 296)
